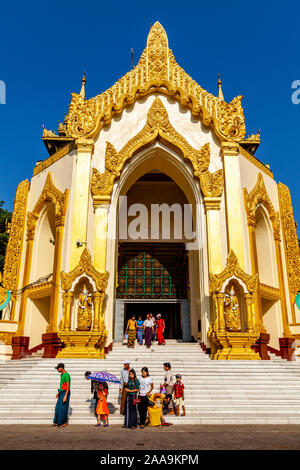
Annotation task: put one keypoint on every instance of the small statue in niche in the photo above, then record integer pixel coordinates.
(84, 312)
(232, 311)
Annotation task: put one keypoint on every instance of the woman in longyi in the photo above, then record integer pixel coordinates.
(102, 410)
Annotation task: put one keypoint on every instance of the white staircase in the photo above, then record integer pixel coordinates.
(216, 392)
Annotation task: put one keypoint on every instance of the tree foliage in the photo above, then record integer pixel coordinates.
(5, 217)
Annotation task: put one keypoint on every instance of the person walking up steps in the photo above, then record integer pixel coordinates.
(178, 391)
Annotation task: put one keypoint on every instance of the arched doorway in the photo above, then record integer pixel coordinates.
(267, 272)
(163, 169)
(40, 288)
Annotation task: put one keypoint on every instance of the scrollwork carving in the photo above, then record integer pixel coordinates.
(15, 241)
(212, 184)
(157, 126)
(258, 195)
(232, 268)
(291, 243)
(84, 266)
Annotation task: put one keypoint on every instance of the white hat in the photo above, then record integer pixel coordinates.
(126, 361)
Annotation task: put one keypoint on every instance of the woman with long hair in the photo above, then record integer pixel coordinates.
(132, 390)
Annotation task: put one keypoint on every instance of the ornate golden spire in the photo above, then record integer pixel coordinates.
(220, 88)
(157, 55)
(82, 91)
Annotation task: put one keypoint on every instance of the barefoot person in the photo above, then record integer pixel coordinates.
(63, 398)
(124, 381)
(131, 330)
(132, 390)
(148, 328)
(146, 387)
(160, 329)
(102, 408)
(168, 385)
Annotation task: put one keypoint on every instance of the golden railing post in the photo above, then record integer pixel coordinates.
(68, 300)
(249, 315)
(221, 317)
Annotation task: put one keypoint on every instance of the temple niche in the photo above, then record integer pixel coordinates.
(154, 138)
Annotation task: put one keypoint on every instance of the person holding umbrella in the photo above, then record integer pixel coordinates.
(101, 407)
(102, 410)
(63, 397)
(95, 388)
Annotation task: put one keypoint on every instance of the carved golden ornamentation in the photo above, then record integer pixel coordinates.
(6, 337)
(47, 133)
(156, 71)
(253, 139)
(53, 158)
(291, 243)
(212, 184)
(258, 195)
(232, 268)
(84, 266)
(15, 241)
(52, 194)
(157, 126)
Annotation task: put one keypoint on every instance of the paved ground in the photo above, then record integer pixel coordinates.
(192, 437)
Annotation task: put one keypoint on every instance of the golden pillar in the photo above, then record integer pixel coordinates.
(249, 315)
(68, 300)
(81, 198)
(233, 190)
(220, 300)
(98, 319)
(26, 281)
(212, 209)
(101, 205)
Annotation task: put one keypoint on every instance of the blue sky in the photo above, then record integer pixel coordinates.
(46, 46)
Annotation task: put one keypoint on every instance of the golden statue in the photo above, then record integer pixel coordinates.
(84, 312)
(232, 311)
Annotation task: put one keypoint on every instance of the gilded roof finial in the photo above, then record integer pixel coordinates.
(83, 81)
(220, 87)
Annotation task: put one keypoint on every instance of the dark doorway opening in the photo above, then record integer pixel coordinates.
(170, 312)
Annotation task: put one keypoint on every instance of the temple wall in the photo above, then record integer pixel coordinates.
(249, 175)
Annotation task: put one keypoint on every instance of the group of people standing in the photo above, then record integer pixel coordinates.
(147, 329)
(137, 396)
